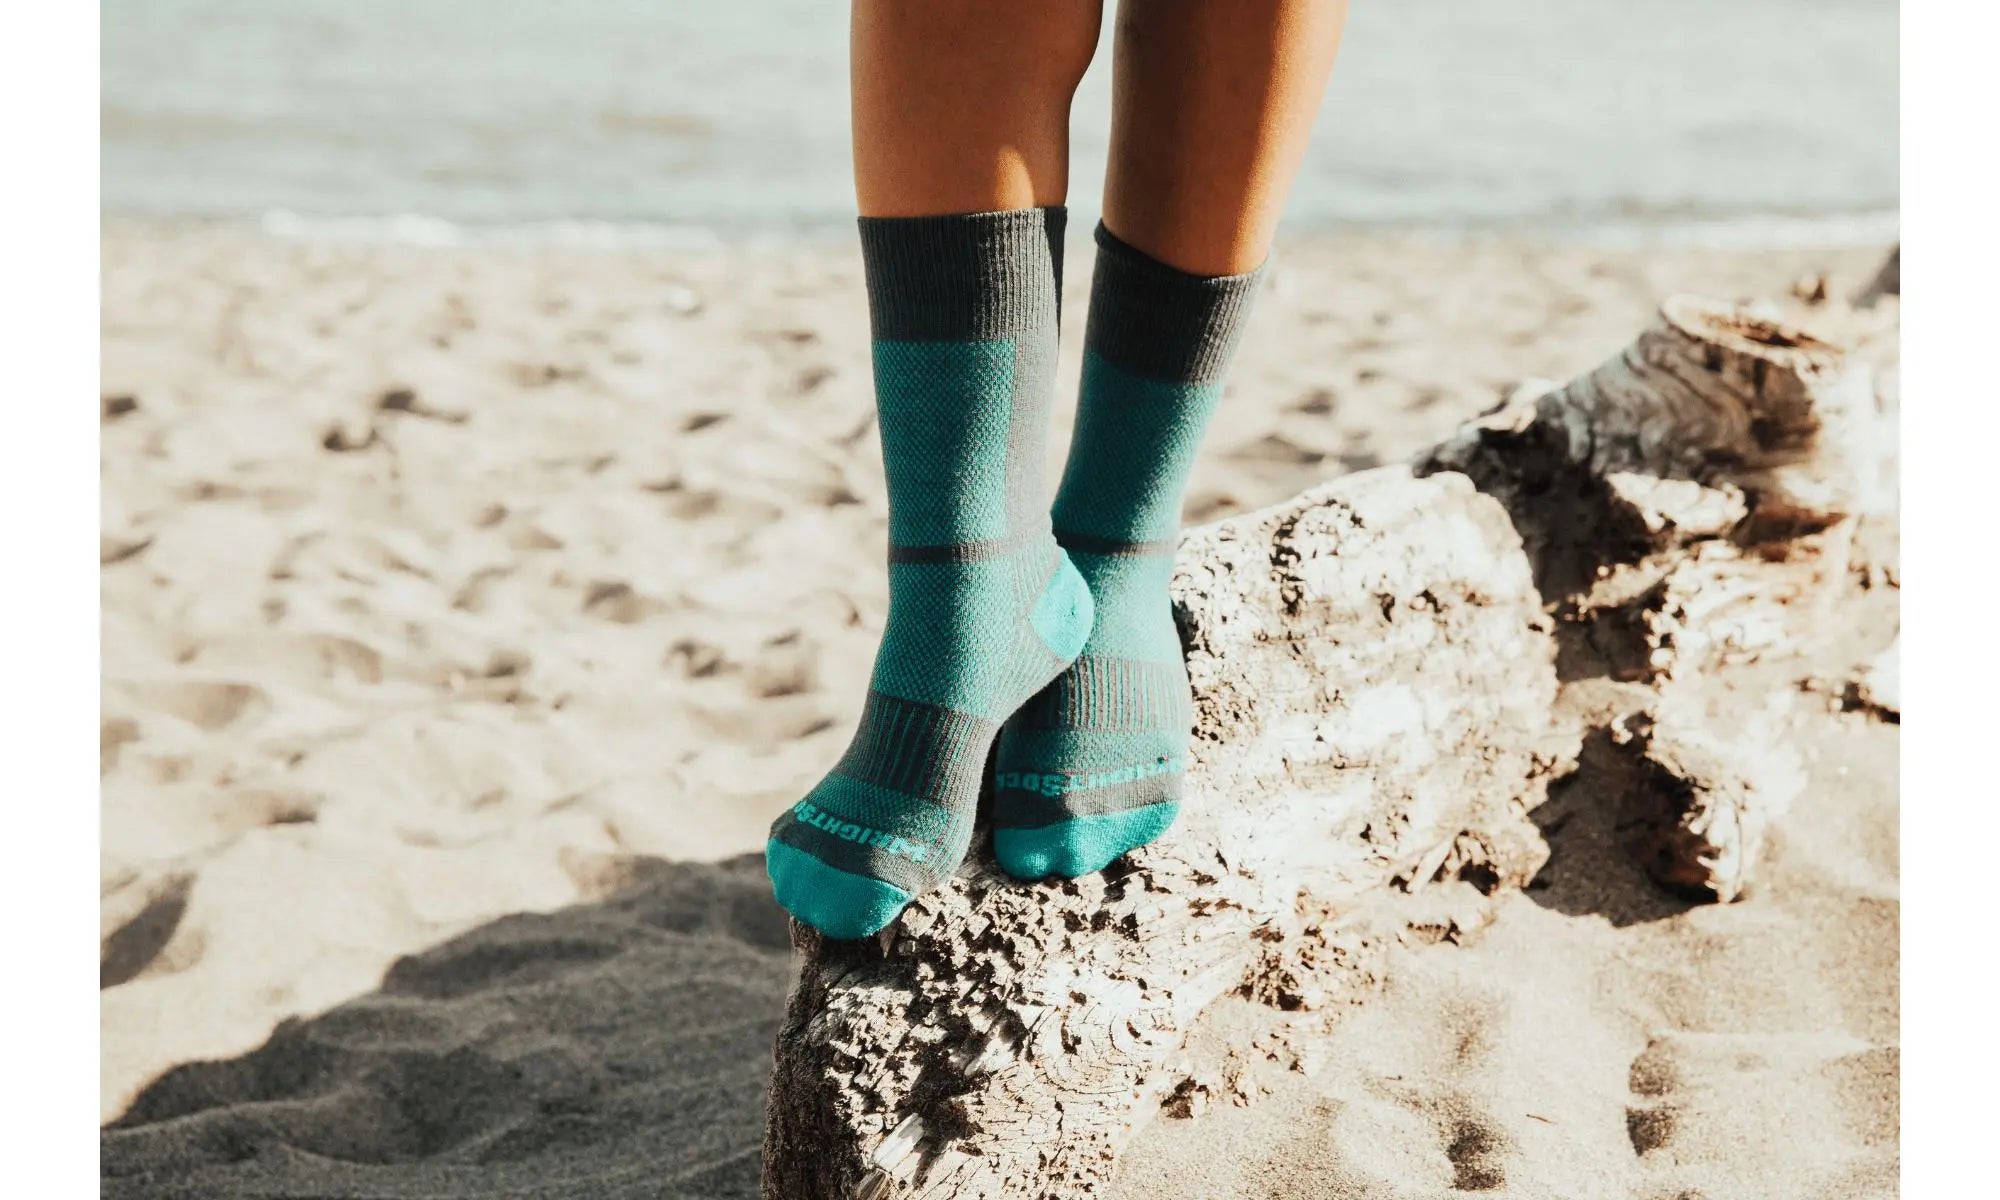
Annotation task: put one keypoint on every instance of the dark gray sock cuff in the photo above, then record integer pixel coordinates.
(1159, 322)
(964, 277)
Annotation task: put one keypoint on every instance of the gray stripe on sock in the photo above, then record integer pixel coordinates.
(960, 278)
(1161, 323)
(1111, 695)
(1055, 221)
(857, 858)
(1017, 809)
(1114, 548)
(960, 552)
(920, 750)
(1028, 431)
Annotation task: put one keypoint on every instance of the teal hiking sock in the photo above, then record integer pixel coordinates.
(984, 608)
(1092, 766)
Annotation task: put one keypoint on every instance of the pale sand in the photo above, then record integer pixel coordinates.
(600, 589)
(1601, 1039)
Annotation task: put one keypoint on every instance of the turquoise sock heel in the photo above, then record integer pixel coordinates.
(1064, 614)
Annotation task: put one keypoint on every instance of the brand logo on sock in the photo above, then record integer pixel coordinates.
(1052, 784)
(848, 831)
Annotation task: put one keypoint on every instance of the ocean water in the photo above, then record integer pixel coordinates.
(731, 119)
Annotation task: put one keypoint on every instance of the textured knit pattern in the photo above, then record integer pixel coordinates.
(984, 608)
(1092, 767)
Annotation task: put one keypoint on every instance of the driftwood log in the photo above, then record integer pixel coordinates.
(1385, 671)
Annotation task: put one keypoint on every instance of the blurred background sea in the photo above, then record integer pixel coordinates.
(1759, 121)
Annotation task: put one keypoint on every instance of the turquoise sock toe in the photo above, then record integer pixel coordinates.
(835, 902)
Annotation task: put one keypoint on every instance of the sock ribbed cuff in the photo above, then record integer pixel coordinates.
(1160, 322)
(963, 277)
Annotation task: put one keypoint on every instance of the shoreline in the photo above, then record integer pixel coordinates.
(1748, 231)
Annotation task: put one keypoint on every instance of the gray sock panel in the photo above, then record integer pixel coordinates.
(1162, 323)
(963, 277)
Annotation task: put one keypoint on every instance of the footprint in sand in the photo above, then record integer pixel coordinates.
(139, 917)
(304, 658)
(1713, 1114)
(620, 603)
(1275, 449)
(785, 665)
(113, 734)
(688, 503)
(1478, 1153)
(207, 705)
(695, 659)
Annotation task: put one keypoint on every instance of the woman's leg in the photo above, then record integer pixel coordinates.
(1213, 105)
(961, 112)
(962, 106)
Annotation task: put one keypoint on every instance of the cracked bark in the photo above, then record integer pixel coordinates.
(1377, 666)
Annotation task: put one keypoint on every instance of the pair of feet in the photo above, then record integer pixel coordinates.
(1038, 636)
(1068, 661)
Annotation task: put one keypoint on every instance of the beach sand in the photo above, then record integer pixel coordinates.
(469, 613)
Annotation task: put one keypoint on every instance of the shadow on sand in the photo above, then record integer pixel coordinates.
(620, 1048)
(1590, 871)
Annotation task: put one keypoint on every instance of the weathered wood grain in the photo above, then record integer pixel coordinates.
(1377, 666)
